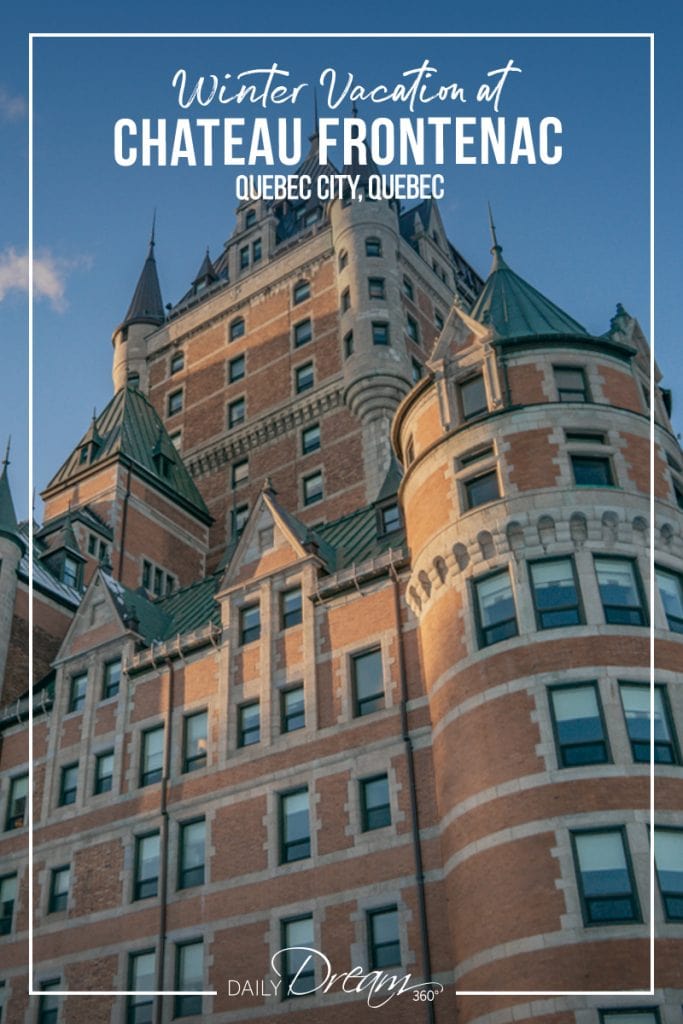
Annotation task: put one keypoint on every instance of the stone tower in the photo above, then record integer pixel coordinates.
(11, 551)
(145, 314)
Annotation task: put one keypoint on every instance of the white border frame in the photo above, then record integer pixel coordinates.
(342, 35)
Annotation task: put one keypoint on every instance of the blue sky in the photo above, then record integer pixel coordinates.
(578, 231)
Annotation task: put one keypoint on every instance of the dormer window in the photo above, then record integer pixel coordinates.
(70, 572)
(250, 219)
(83, 457)
(162, 464)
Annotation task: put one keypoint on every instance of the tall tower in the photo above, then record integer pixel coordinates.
(526, 502)
(145, 313)
(377, 365)
(11, 551)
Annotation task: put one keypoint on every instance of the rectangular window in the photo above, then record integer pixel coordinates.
(374, 803)
(104, 772)
(292, 710)
(256, 250)
(146, 574)
(244, 257)
(298, 972)
(380, 332)
(16, 804)
(59, 889)
(189, 977)
(592, 471)
(606, 886)
(240, 473)
(310, 439)
(152, 756)
(237, 329)
(158, 582)
(670, 589)
(473, 397)
(141, 979)
(291, 607)
(175, 402)
(438, 320)
(303, 332)
(570, 382)
(346, 300)
(348, 344)
(390, 518)
(295, 832)
(239, 520)
(146, 882)
(584, 437)
(78, 690)
(578, 725)
(92, 544)
(48, 1006)
(192, 853)
(68, 784)
(236, 369)
(413, 329)
(248, 724)
(368, 683)
(556, 598)
(195, 741)
(481, 489)
(373, 247)
(343, 259)
(636, 1016)
(8, 894)
(669, 864)
(301, 292)
(635, 698)
(313, 488)
(250, 623)
(250, 219)
(177, 362)
(376, 287)
(495, 608)
(408, 289)
(384, 946)
(304, 377)
(620, 591)
(236, 412)
(416, 371)
(112, 679)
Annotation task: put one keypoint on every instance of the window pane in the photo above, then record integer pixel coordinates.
(368, 682)
(619, 591)
(590, 471)
(473, 397)
(196, 732)
(296, 843)
(293, 711)
(192, 854)
(482, 489)
(299, 972)
(78, 690)
(152, 756)
(104, 772)
(496, 608)
(636, 701)
(669, 863)
(249, 724)
(304, 377)
(555, 595)
(385, 947)
(605, 877)
(250, 623)
(112, 679)
(571, 384)
(671, 593)
(147, 866)
(190, 976)
(292, 610)
(625, 1017)
(578, 726)
(375, 803)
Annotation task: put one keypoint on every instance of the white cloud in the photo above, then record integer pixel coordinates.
(49, 275)
(12, 108)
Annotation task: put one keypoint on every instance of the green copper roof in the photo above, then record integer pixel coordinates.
(192, 607)
(515, 309)
(130, 427)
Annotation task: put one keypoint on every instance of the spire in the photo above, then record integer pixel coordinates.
(513, 308)
(147, 306)
(206, 274)
(8, 517)
(496, 249)
(313, 137)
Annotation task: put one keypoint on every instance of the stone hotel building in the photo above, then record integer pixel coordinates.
(343, 612)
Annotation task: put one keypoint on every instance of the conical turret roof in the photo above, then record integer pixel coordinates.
(8, 517)
(146, 306)
(207, 271)
(513, 308)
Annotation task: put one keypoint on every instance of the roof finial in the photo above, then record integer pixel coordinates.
(5, 461)
(154, 224)
(496, 247)
(314, 134)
